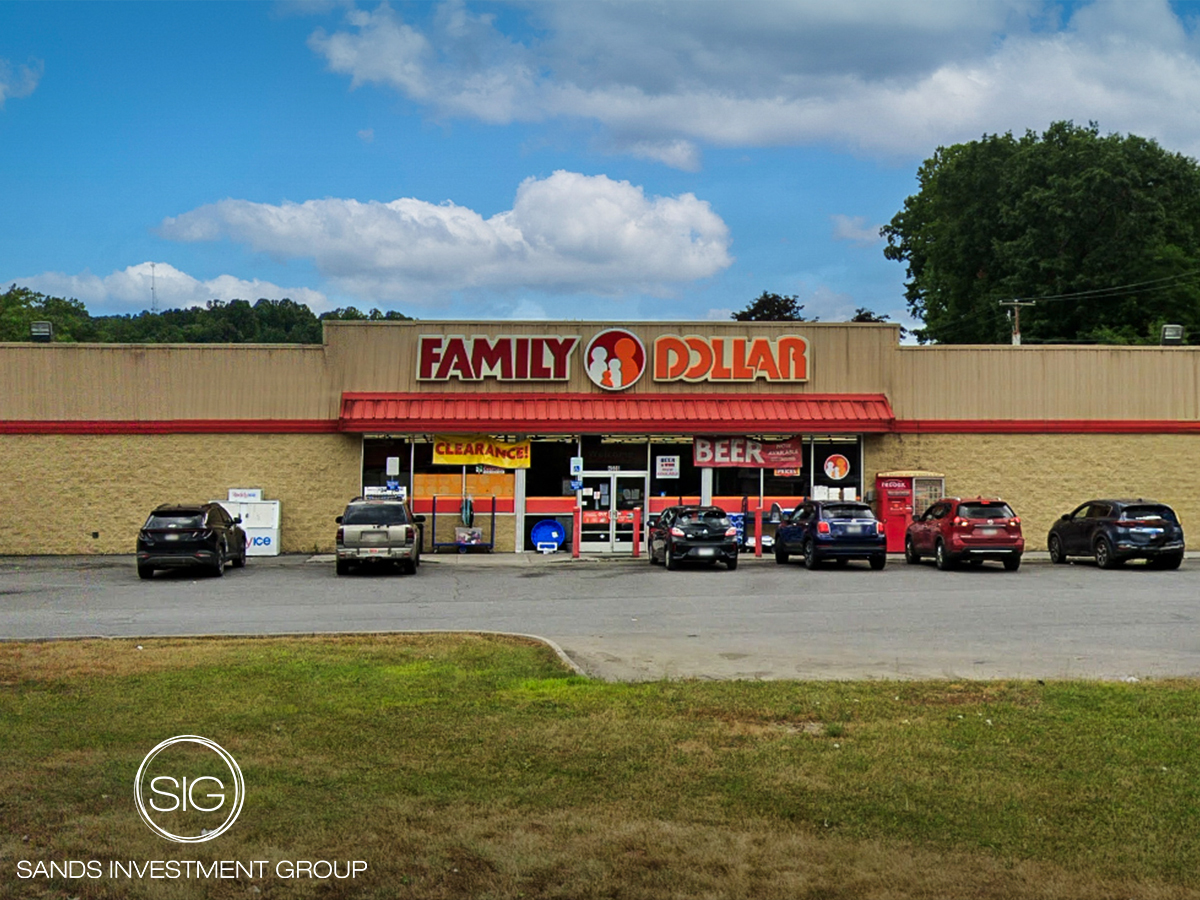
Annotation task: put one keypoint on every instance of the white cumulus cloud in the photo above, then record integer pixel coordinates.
(882, 77)
(855, 230)
(568, 233)
(20, 81)
(129, 289)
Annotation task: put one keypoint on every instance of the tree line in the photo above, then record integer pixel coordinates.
(217, 322)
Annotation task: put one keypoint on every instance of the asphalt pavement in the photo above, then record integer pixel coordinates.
(620, 618)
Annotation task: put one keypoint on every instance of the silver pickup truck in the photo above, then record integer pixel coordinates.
(375, 531)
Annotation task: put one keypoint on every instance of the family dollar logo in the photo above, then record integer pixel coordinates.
(615, 359)
(189, 789)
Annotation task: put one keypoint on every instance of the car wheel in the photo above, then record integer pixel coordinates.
(1056, 551)
(669, 558)
(781, 555)
(145, 571)
(239, 562)
(1011, 565)
(218, 568)
(342, 567)
(650, 553)
(731, 563)
(878, 561)
(941, 558)
(408, 567)
(1104, 554)
(911, 556)
(810, 554)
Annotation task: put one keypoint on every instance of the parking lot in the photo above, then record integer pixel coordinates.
(623, 619)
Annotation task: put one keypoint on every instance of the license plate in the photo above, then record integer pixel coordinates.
(1146, 530)
(172, 537)
(988, 530)
(706, 551)
(854, 529)
(372, 551)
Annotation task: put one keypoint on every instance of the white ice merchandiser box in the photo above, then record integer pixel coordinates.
(260, 520)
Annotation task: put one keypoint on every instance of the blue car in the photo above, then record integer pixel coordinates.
(840, 530)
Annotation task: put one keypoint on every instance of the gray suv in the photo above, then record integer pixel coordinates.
(374, 531)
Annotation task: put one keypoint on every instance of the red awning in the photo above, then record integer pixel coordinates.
(624, 414)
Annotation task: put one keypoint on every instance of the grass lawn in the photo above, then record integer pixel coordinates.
(476, 766)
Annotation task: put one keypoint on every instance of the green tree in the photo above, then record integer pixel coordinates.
(770, 307)
(1102, 231)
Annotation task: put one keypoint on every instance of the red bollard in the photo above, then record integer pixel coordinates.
(637, 532)
(576, 531)
(758, 532)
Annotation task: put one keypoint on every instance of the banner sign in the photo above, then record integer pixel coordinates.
(695, 358)
(666, 467)
(478, 449)
(510, 357)
(726, 452)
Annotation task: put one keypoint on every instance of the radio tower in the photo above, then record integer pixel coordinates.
(153, 294)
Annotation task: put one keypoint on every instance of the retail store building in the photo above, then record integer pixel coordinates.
(541, 420)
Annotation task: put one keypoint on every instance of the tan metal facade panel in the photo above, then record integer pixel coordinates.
(843, 358)
(988, 383)
(123, 382)
(140, 382)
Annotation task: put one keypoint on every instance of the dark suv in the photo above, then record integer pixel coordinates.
(835, 529)
(185, 535)
(700, 533)
(1112, 531)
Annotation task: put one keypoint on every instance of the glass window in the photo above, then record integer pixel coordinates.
(848, 511)
(713, 516)
(1150, 512)
(985, 511)
(376, 514)
(176, 520)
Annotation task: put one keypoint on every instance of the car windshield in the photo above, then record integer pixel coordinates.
(375, 514)
(175, 520)
(985, 511)
(1149, 513)
(713, 518)
(848, 511)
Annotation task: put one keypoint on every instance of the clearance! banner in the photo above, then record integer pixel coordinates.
(479, 450)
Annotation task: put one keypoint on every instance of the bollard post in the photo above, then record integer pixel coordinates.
(576, 531)
(637, 532)
(758, 531)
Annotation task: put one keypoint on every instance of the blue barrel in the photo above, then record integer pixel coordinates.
(548, 531)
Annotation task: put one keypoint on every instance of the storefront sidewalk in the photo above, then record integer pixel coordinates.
(540, 560)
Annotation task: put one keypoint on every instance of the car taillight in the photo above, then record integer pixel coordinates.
(822, 528)
(677, 531)
(1015, 522)
(960, 522)
(341, 535)
(879, 528)
(731, 531)
(408, 534)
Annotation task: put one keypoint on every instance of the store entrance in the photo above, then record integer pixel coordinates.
(607, 501)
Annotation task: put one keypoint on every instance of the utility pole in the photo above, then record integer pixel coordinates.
(1016, 305)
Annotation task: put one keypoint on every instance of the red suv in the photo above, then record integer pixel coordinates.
(955, 529)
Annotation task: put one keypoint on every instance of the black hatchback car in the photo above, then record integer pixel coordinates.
(835, 529)
(1113, 531)
(188, 535)
(693, 533)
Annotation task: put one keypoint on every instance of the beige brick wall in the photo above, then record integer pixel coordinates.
(1045, 475)
(55, 490)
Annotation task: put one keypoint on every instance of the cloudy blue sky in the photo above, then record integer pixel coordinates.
(631, 160)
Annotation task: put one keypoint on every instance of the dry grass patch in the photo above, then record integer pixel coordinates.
(475, 766)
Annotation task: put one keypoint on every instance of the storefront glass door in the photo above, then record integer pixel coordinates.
(607, 501)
